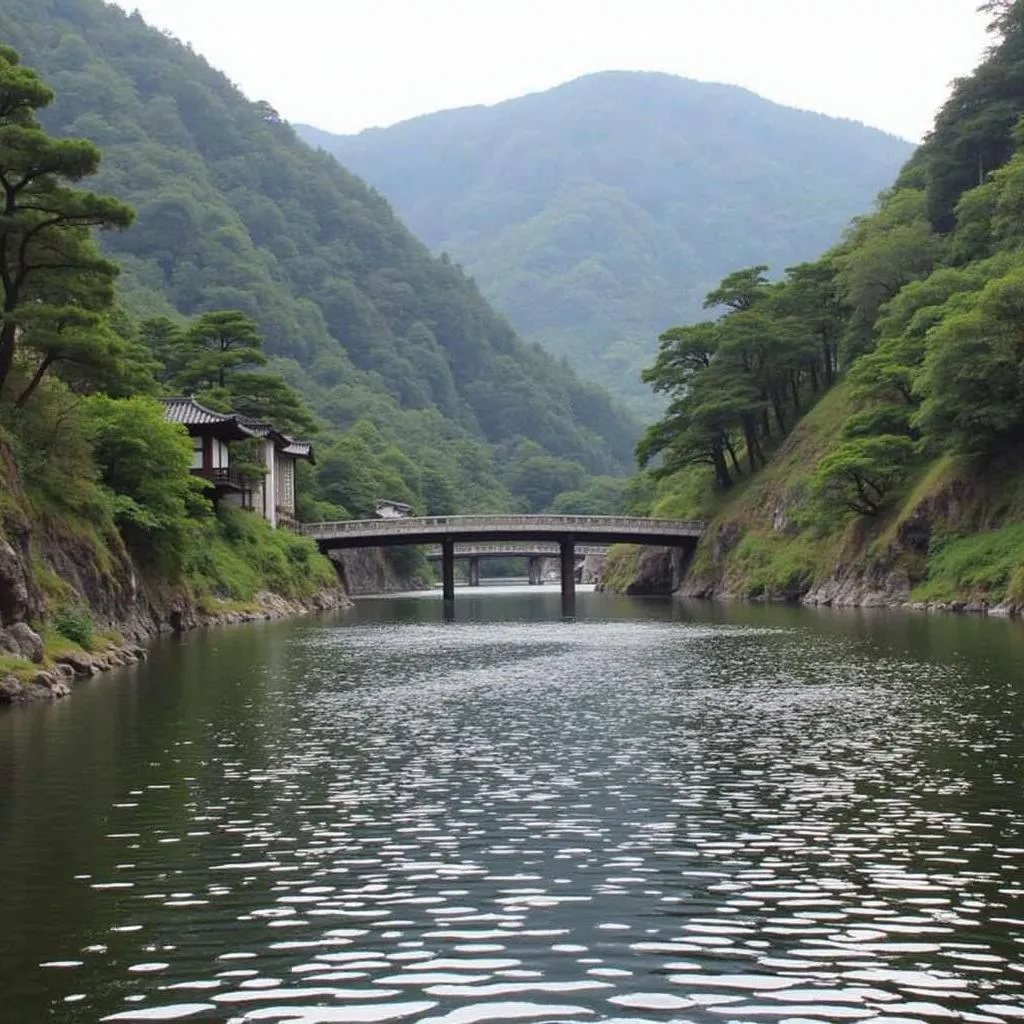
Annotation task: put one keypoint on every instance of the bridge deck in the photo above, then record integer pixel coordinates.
(484, 529)
(513, 550)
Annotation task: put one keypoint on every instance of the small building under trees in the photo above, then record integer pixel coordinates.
(262, 479)
(385, 508)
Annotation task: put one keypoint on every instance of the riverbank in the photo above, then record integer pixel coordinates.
(951, 540)
(45, 666)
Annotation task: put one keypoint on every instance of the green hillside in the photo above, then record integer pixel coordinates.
(597, 213)
(904, 483)
(419, 385)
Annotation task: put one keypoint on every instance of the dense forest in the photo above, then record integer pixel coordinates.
(904, 346)
(596, 213)
(421, 392)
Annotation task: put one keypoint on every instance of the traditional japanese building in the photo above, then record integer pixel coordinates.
(274, 497)
(273, 494)
(385, 508)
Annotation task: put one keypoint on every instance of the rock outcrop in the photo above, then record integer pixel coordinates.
(22, 641)
(369, 571)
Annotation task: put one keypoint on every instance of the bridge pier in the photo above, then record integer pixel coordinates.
(546, 536)
(474, 571)
(535, 571)
(568, 559)
(448, 569)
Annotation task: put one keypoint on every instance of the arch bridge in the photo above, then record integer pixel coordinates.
(564, 531)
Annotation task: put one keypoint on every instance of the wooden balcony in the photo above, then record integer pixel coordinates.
(223, 479)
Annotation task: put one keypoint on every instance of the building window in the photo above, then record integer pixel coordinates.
(197, 453)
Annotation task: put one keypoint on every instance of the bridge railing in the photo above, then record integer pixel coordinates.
(426, 524)
(511, 549)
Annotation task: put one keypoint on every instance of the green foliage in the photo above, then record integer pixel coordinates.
(935, 352)
(53, 451)
(215, 347)
(236, 213)
(540, 478)
(621, 565)
(861, 473)
(592, 228)
(214, 358)
(882, 253)
(986, 566)
(972, 378)
(239, 555)
(602, 496)
(54, 285)
(973, 131)
(738, 384)
(75, 624)
(776, 568)
(361, 467)
(688, 494)
(144, 463)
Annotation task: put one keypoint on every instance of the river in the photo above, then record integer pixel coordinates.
(657, 812)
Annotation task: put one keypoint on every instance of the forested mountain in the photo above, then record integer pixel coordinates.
(904, 346)
(595, 214)
(427, 394)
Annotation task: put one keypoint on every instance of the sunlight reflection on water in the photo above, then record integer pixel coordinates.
(527, 821)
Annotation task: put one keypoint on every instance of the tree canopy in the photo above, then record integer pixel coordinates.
(56, 287)
(236, 213)
(592, 228)
(920, 305)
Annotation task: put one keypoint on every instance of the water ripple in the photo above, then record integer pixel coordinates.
(566, 821)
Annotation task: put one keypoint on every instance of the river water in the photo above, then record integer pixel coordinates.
(657, 812)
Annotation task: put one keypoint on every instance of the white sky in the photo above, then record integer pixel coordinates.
(345, 65)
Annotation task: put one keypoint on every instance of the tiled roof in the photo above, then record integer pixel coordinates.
(257, 427)
(298, 449)
(190, 413)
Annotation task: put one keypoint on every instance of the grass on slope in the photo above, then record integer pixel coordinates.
(240, 555)
(986, 567)
(768, 540)
(773, 544)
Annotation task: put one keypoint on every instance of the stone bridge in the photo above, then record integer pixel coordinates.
(564, 531)
(536, 554)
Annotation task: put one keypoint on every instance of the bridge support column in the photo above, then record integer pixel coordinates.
(535, 571)
(448, 569)
(568, 559)
(474, 572)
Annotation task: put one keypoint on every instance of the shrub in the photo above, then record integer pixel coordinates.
(75, 624)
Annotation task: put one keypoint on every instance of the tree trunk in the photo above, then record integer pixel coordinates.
(732, 456)
(721, 469)
(8, 336)
(750, 436)
(41, 369)
(779, 416)
(828, 360)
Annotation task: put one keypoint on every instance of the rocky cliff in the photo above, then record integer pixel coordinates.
(953, 539)
(73, 600)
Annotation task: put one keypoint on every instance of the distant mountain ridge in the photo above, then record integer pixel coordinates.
(426, 394)
(597, 214)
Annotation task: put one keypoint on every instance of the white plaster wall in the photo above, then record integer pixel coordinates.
(269, 457)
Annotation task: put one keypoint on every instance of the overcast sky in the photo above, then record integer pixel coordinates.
(345, 65)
